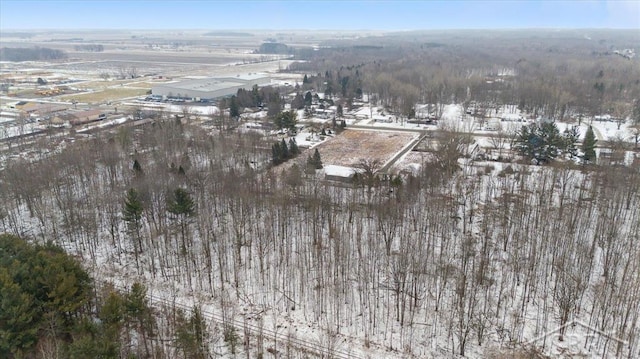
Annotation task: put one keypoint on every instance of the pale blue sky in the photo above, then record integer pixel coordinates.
(346, 15)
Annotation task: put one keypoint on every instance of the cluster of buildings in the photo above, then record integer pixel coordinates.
(56, 114)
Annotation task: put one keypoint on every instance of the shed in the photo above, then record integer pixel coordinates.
(340, 173)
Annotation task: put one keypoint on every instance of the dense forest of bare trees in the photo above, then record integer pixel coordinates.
(462, 258)
(552, 74)
(447, 262)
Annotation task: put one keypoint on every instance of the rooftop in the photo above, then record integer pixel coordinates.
(215, 83)
(204, 84)
(245, 77)
(340, 171)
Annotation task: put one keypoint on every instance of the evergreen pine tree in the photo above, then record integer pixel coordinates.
(93, 340)
(137, 168)
(112, 317)
(317, 161)
(132, 210)
(541, 142)
(293, 147)
(234, 109)
(191, 334)
(308, 98)
(297, 102)
(112, 311)
(199, 326)
(286, 120)
(40, 287)
(284, 149)
(138, 312)
(181, 205)
(276, 153)
(571, 136)
(255, 96)
(589, 145)
(18, 316)
(132, 215)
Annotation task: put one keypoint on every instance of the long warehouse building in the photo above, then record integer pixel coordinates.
(209, 88)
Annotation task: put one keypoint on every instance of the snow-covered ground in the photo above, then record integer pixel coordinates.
(102, 124)
(15, 130)
(475, 260)
(367, 275)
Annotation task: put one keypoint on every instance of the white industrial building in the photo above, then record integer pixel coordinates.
(209, 88)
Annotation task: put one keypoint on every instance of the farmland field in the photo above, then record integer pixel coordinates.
(110, 94)
(352, 146)
(100, 84)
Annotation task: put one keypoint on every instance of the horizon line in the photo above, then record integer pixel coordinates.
(317, 29)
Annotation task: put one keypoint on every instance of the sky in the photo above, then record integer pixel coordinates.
(317, 15)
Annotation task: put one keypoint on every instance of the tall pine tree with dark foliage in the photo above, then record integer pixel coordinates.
(589, 145)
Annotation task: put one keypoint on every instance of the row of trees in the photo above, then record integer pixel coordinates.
(257, 97)
(542, 142)
(281, 152)
(89, 47)
(30, 54)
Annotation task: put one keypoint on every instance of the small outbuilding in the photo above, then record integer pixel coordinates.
(340, 173)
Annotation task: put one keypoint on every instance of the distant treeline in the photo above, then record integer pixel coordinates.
(273, 48)
(367, 47)
(30, 54)
(228, 34)
(22, 35)
(89, 47)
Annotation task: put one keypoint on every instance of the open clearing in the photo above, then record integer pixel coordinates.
(352, 146)
(146, 85)
(100, 84)
(110, 94)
